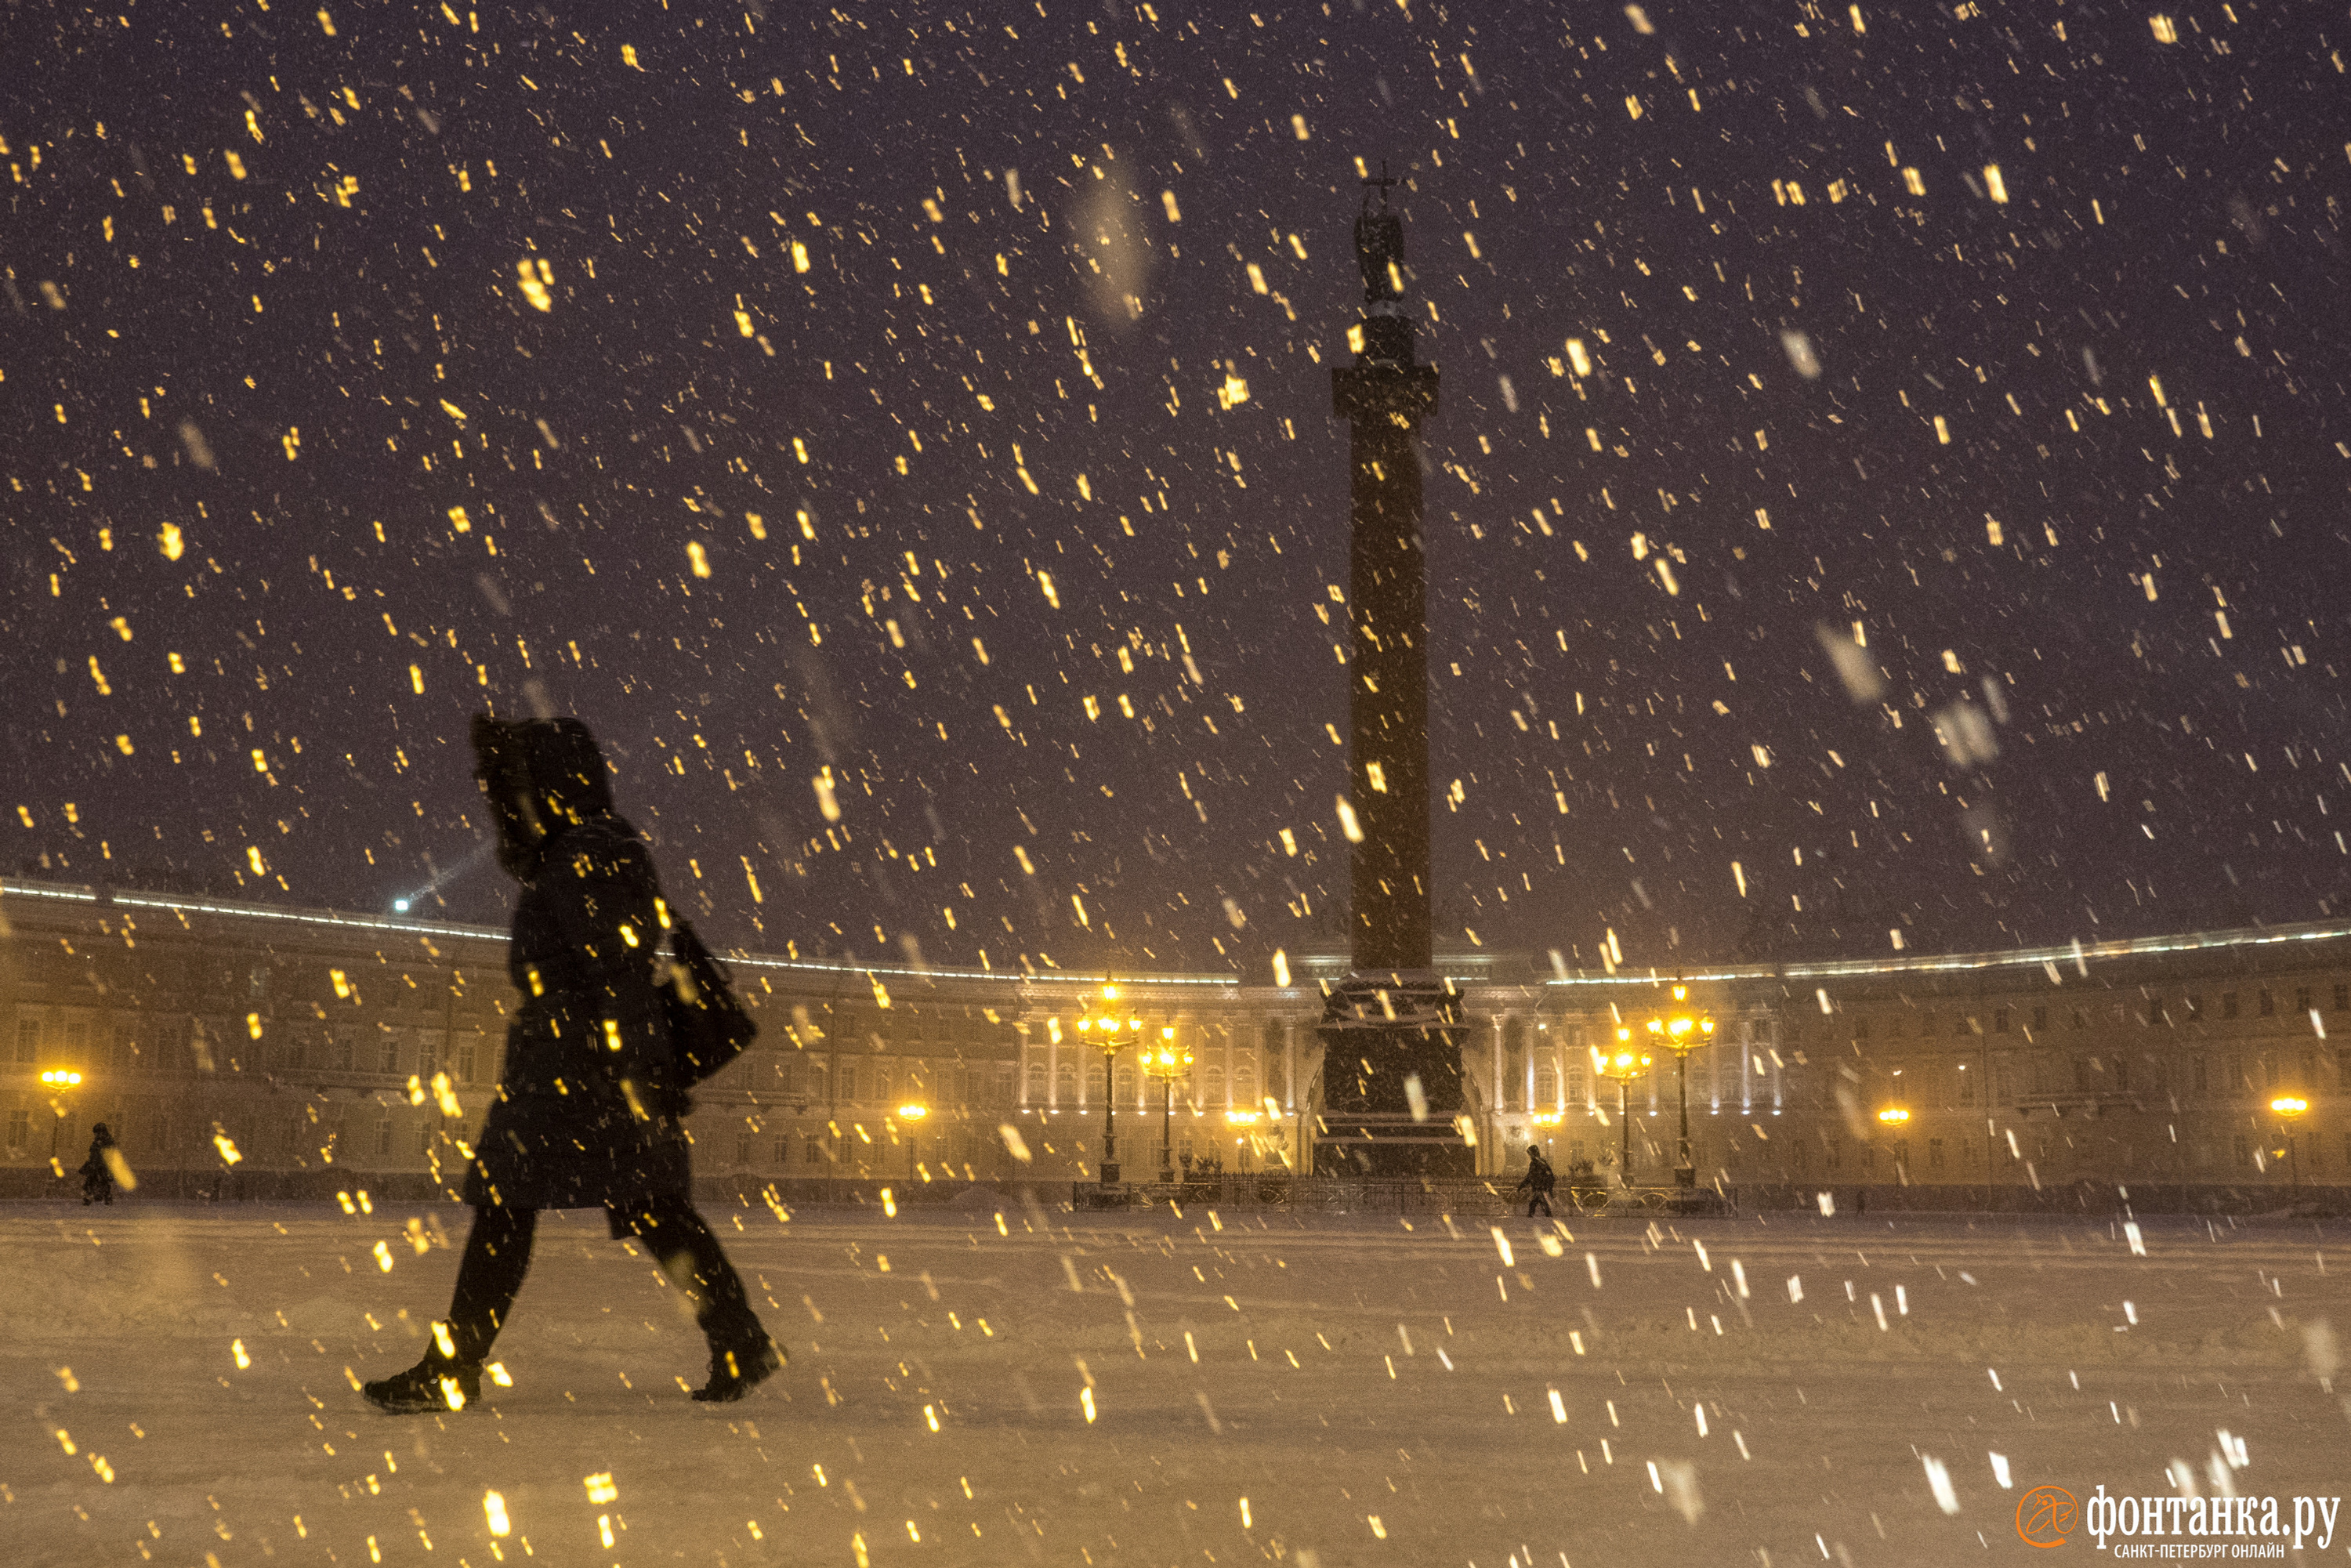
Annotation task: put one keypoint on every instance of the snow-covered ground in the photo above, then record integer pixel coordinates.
(1338, 1391)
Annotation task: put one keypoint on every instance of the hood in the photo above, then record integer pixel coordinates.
(540, 777)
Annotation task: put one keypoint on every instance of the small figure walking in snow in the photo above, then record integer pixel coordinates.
(1537, 1183)
(97, 1175)
(590, 1109)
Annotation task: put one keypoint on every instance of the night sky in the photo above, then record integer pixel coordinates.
(2021, 326)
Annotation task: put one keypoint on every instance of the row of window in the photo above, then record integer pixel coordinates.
(166, 1044)
(2147, 1011)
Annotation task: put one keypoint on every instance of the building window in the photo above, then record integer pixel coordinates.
(383, 1137)
(743, 1149)
(2228, 1004)
(2040, 1017)
(2342, 996)
(466, 1060)
(1245, 1084)
(2302, 999)
(2266, 1003)
(28, 1042)
(2196, 1010)
(813, 1149)
(2245, 1151)
(1934, 1154)
(2000, 1020)
(2203, 1076)
(390, 1064)
(783, 1150)
(1212, 1086)
(20, 1131)
(1036, 1082)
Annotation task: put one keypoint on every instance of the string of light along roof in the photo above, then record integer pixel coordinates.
(1835, 969)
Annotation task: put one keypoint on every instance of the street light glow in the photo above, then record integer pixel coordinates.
(61, 1078)
(2288, 1106)
(912, 1113)
(1894, 1115)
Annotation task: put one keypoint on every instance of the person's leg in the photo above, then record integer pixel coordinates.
(691, 1255)
(489, 1278)
(741, 1353)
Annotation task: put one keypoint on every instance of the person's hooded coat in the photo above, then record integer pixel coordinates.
(586, 1115)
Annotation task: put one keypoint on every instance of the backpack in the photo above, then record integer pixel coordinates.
(708, 1025)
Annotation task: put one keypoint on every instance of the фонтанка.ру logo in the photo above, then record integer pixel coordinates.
(2045, 1516)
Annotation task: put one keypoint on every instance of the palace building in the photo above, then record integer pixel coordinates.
(246, 1050)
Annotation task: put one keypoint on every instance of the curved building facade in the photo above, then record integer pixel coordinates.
(247, 1050)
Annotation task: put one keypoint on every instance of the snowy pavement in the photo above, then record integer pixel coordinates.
(1146, 1389)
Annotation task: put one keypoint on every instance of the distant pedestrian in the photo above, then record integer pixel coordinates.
(1538, 1183)
(589, 1112)
(97, 1174)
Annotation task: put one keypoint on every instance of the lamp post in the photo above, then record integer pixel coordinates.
(1683, 1031)
(58, 1080)
(910, 1115)
(1110, 1034)
(1624, 1065)
(2287, 1107)
(1166, 1065)
(1894, 1118)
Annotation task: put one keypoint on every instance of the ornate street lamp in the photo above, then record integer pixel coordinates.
(58, 1080)
(1167, 1064)
(910, 1115)
(1626, 1063)
(1682, 1032)
(1110, 1034)
(2287, 1107)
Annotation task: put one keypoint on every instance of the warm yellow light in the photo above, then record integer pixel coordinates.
(1545, 1118)
(60, 1078)
(1110, 993)
(1894, 1115)
(1084, 1024)
(1241, 1118)
(1623, 1063)
(912, 1113)
(2288, 1106)
(1681, 993)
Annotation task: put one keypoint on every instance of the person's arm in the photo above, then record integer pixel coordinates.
(605, 916)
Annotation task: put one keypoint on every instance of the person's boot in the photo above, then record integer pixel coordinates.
(738, 1364)
(436, 1383)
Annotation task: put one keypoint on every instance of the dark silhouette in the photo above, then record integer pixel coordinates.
(1538, 1183)
(589, 1112)
(97, 1175)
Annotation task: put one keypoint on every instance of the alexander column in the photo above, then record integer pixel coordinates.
(1391, 1062)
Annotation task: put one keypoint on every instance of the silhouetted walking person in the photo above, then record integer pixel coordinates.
(1537, 1183)
(97, 1175)
(590, 1110)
